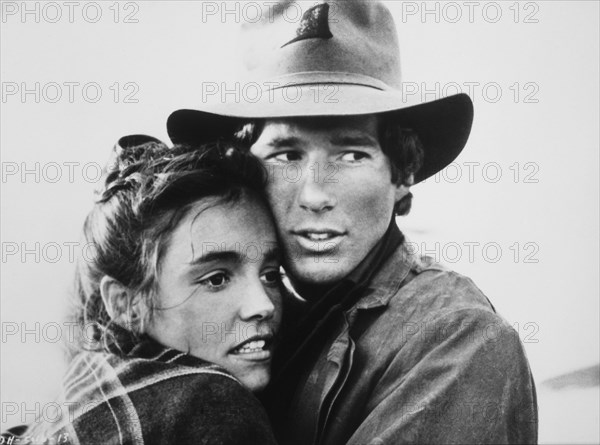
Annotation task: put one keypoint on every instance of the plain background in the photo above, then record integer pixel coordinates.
(524, 193)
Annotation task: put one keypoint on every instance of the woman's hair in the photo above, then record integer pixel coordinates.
(148, 189)
(401, 145)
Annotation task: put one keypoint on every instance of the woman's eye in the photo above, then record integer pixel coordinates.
(215, 281)
(271, 277)
(354, 156)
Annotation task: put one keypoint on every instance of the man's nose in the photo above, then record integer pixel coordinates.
(316, 191)
(256, 304)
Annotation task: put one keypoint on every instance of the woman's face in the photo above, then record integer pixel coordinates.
(218, 288)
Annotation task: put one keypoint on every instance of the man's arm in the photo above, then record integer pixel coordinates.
(463, 379)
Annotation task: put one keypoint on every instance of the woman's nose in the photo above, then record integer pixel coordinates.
(256, 304)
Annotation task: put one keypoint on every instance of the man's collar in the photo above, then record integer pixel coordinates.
(372, 283)
(359, 277)
(373, 261)
(388, 279)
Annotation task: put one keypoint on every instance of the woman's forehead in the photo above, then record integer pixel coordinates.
(223, 226)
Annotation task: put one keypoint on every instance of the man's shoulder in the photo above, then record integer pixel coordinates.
(429, 289)
(436, 306)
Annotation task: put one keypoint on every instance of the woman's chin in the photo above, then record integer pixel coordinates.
(255, 381)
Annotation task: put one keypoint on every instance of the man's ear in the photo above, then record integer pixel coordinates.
(122, 306)
(403, 188)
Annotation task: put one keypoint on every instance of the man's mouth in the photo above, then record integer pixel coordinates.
(319, 236)
(319, 240)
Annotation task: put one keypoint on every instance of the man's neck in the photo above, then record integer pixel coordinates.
(312, 292)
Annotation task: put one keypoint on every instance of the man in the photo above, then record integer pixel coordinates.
(388, 347)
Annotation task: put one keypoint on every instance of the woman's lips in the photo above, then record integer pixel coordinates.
(257, 348)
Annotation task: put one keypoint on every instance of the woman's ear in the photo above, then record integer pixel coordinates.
(122, 306)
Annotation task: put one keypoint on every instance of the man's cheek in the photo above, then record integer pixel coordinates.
(373, 192)
(280, 199)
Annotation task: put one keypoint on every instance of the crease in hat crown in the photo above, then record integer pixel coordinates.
(360, 41)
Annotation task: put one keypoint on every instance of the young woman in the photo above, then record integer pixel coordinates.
(177, 308)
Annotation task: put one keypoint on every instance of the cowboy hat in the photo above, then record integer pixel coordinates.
(336, 58)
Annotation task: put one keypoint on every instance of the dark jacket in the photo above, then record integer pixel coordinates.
(150, 395)
(421, 357)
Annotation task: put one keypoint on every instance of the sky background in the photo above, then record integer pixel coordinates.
(518, 212)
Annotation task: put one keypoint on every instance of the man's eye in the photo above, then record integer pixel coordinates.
(354, 156)
(272, 277)
(215, 281)
(287, 156)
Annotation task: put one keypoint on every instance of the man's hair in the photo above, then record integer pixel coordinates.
(147, 191)
(401, 145)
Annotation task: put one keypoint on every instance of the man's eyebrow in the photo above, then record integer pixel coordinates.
(284, 141)
(354, 140)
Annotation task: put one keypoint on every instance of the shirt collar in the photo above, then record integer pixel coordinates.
(388, 279)
(370, 265)
(351, 289)
(126, 344)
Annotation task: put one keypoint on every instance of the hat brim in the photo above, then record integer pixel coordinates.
(443, 125)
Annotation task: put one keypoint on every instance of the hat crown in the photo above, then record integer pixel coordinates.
(350, 47)
(351, 36)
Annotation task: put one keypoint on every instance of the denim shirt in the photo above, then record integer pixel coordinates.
(421, 357)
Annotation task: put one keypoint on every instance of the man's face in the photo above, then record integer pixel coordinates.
(330, 190)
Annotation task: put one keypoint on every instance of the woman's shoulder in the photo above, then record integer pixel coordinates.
(187, 408)
(167, 397)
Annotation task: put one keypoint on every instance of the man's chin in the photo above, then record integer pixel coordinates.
(318, 271)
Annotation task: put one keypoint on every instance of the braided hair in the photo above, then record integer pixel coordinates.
(148, 189)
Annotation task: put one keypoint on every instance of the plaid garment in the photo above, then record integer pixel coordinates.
(149, 394)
